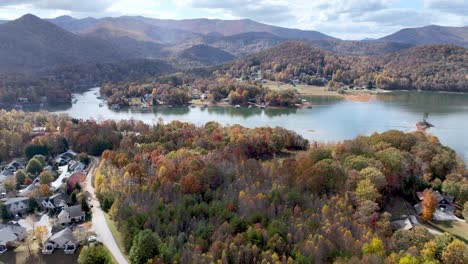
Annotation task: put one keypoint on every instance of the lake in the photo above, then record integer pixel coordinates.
(330, 119)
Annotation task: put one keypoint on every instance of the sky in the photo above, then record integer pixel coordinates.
(345, 19)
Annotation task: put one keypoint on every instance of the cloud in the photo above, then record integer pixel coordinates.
(348, 19)
(398, 17)
(459, 7)
(69, 5)
(262, 10)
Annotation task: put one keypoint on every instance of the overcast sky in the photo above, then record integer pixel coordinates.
(347, 19)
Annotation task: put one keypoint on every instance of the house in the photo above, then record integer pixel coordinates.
(9, 235)
(4, 175)
(65, 158)
(63, 239)
(26, 192)
(13, 166)
(445, 203)
(403, 223)
(39, 130)
(71, 214)
(54, 202)
(17, 205)
(76, 166)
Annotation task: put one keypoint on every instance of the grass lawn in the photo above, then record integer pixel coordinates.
(135, 101)
(456, 228)
(302, 89)
(116, 234)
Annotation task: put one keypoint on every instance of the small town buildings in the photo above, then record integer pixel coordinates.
(61, 240)
(72, 214)
(9, 235)
(17, 205)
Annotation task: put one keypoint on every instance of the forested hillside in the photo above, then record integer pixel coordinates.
(182, 193)
(436, 67)
(213, 193)
(432, 34)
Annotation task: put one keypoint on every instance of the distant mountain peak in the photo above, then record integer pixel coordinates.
(29, 18)
(431, 34)
(65, 18)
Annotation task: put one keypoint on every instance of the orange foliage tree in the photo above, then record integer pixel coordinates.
(428, 204)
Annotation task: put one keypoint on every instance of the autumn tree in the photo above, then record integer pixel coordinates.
(41, 233)
(429, 204)
(20, 176)
(46, 177)
(45, 189)
(455, 253)
(366, 190)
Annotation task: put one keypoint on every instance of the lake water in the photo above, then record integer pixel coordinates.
(330, 120)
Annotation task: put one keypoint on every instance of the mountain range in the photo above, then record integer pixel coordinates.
(31, 44)
(430, 35)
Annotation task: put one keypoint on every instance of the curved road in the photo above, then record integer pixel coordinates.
(99, 222)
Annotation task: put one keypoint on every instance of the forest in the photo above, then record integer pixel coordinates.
(178, 90)
(56, 86)
(181, 193)
(235, 195)
(432, 67)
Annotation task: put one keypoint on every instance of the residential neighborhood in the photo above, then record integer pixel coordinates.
(43, 201)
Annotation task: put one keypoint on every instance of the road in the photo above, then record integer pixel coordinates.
(99, 222)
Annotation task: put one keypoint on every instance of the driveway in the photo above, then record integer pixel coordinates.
(99, 222)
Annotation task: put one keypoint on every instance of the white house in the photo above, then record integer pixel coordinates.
(10, 234)
(71, 214)
(63, 239)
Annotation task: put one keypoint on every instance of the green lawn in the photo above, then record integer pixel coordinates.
(135, 101)
(117, 235)
(456, 228)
